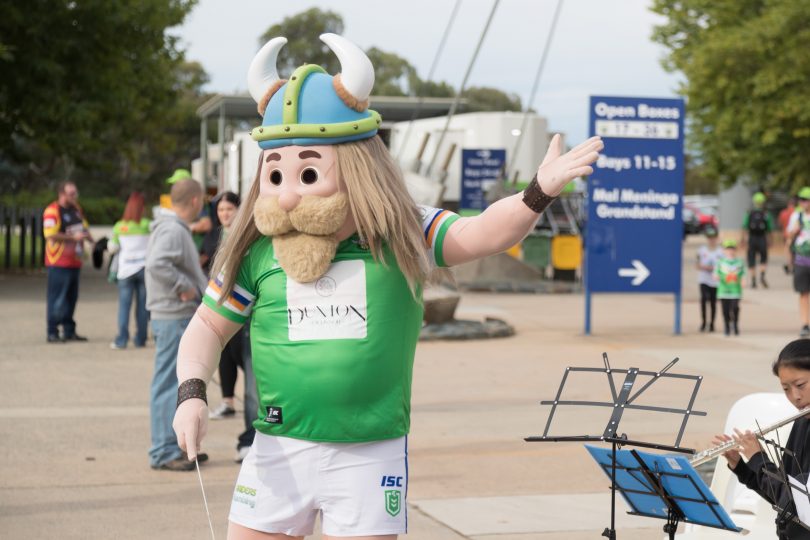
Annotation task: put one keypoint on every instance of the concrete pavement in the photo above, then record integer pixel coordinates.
(74, 423)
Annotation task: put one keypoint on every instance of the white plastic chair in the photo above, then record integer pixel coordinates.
(747, 509)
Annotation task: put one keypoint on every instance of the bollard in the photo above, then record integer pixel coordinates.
(6, 238)
(22, 223)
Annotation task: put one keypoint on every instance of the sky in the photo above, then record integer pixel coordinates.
(600, 47)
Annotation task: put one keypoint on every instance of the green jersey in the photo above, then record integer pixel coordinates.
(333, 358)
(729, 273)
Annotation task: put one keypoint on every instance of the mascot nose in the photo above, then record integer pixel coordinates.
(288, 200)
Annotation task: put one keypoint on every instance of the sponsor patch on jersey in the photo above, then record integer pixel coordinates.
(274, 416)
(245, 495)
(393, 501)
(331, 307)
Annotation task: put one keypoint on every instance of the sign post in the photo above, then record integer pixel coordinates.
(634, 232)
(480, 169)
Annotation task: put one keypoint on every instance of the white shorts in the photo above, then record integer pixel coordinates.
(359, 489)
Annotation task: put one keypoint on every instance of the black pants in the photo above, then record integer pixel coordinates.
(757, 246)
(731, 312)
(708, 297)
(230, 359)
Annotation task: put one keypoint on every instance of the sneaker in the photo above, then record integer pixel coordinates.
(711, 327)
(805, 332)
(54, 338)
(177, 464)
(116, 347)
(223, 411)
(753, 283)
(202, 457)
(762, 279)
(75, 337)
(241, 454)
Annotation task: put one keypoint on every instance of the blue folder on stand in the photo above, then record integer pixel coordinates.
(663, 485)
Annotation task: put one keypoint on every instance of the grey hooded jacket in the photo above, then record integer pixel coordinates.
(172, 266)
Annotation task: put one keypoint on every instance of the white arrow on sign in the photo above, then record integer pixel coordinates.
(639, 272)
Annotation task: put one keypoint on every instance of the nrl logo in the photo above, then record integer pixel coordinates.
(392, 501)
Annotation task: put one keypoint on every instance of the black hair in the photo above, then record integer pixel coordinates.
(796, 354)
(229, 196)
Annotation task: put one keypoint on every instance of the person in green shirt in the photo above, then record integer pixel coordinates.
(328, 256)
(729, 273)
(756, 234)
(128, 244)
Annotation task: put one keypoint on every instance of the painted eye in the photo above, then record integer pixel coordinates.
(309, 176)
(276, 177)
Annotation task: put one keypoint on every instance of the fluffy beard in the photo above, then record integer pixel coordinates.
(303, 240)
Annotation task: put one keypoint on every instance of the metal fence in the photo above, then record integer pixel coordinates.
(23, 244)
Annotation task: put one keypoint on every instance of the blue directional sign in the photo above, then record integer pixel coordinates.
(480, 169)
(635, 228)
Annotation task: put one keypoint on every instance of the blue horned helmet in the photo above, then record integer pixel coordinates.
(313, 107)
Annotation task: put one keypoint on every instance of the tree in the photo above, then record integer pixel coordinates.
(483, 98)
(393, 75)
(90, 89)
(303, 45)
(746, 64)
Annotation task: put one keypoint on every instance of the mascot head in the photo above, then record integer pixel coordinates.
(323, 175)
(302, 204)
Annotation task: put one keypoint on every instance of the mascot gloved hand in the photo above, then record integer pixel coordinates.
(191, 424)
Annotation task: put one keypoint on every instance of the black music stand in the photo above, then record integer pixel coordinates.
(794, 488)
(622, 400)
(663, 486)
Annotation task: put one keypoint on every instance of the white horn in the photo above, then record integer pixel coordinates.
(357, 73)
(262, 72)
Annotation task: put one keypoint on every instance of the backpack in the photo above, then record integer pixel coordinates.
(801, 243)
(757, 222)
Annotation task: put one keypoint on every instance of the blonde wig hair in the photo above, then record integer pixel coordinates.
(384, 212)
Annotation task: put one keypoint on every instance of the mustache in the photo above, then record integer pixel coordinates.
(313, 215)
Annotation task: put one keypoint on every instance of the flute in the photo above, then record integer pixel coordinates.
(711, 453)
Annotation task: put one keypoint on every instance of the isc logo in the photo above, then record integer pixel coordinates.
(391, 481)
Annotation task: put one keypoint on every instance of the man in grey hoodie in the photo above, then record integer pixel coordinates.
(174, 281)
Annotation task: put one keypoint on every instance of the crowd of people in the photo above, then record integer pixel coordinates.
(722, 272)
(161, 268)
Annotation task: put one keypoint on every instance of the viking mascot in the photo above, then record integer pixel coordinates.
(328, 257)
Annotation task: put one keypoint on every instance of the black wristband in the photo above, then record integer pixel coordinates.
(191, 388)
(534, 198)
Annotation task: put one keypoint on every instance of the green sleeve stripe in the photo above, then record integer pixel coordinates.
(438, 246)
(222, 310)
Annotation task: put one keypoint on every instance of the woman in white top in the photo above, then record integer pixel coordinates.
(129, 239)
(707, 258)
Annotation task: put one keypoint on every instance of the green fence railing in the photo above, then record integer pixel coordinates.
(22, 244)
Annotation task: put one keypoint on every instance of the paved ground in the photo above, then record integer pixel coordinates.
(74, 426)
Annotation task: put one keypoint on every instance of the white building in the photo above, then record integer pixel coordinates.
(478, 130)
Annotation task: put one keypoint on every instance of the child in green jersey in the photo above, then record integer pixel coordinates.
(729, 272)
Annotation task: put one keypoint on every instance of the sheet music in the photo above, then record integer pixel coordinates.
(800, 498)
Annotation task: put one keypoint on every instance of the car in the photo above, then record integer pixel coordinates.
(696, 217)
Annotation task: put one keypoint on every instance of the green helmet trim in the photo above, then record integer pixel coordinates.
(804, 193)
(289, 114)
(319, 131)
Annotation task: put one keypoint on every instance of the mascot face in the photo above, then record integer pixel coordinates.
(302, 207)
(302, 204)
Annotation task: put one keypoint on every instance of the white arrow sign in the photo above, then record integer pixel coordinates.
(639, 272)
